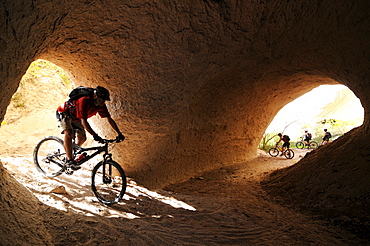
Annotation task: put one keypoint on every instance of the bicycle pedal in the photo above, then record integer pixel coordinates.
(69, 171)
(74, 167)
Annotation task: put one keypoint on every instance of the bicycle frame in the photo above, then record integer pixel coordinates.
(288, 153)
(98, 150)
(108, 179)
(280, 148)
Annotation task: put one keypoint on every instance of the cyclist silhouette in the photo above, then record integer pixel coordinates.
(307, 137)
(286, 143)
(327, 136)
(73, 116)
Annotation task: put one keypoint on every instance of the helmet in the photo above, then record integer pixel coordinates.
(102, 93)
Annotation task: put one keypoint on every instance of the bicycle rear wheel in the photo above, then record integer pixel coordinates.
(274, 152)
(299, 145)
(289, 154)
(49, 156)
(108, 182)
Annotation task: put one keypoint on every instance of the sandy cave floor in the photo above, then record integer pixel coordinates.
(226, 206)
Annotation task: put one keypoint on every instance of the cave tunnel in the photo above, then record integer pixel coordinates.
(195, 88)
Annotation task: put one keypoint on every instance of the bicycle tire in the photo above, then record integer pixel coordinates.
(289, 154)
(300, 145)
(109, 188)
(313, 145)
(49, 156)
(274, 152)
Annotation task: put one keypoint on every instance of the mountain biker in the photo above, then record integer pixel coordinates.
(327, 136)
(307, 137)
(73, 118)
(285, 139)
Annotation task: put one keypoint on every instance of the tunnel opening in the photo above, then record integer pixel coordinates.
(326, 181)
(30, 114)
(30, 117)
(332, 107)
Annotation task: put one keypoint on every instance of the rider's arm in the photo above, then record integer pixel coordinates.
(114, 125)
(278, 141)
(87, 126)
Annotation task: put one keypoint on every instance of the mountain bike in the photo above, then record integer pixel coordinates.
(108, 180)
(302, 144)
(288, 153)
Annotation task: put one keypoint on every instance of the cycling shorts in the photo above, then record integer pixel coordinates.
(286, 144)
(67, 123)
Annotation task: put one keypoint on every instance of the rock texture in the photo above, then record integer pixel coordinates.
(20, 214)
(194, 83)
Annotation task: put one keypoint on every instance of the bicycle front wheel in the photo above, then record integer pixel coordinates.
(299, 145)
(49, 156)
(289, 154)
(313, 145)
(108, 182)
(274, 152)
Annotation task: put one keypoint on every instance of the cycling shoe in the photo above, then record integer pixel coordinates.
(73, 165)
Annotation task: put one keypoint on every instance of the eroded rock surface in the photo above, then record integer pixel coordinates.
(194, 84)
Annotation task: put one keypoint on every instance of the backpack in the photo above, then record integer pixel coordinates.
(328, 134)
(310, 135)
(286, 137)
(79, 92)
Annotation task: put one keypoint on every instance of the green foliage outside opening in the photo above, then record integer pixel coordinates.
(336, 127)
(42, 78)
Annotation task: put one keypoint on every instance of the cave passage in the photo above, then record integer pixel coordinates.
(333, 107)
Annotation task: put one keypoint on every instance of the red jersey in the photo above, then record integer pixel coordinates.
(84, 108)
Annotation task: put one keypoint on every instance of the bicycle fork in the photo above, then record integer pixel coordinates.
(107, 174)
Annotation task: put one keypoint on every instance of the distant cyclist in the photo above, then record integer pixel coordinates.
(307, 137)
(73, 117)
(327, 136)
(285, 139)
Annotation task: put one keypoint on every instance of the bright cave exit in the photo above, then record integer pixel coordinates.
(332, 107)
(31, 112)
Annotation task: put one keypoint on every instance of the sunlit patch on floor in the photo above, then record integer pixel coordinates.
(73, 192)
(136, 191)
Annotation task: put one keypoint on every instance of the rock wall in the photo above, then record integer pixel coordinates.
(194, 84)
(20, 215)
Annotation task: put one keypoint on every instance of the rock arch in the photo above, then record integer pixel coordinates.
(194, 84)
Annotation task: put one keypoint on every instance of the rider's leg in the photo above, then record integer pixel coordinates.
(80, 132)
(66, 126)
(286, 145)
(307, 141)
(324, 141)
(282, 150)
(68, 143)
(81, 139)
(68, 146)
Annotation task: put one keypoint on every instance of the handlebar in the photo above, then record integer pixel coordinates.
(116, 140)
